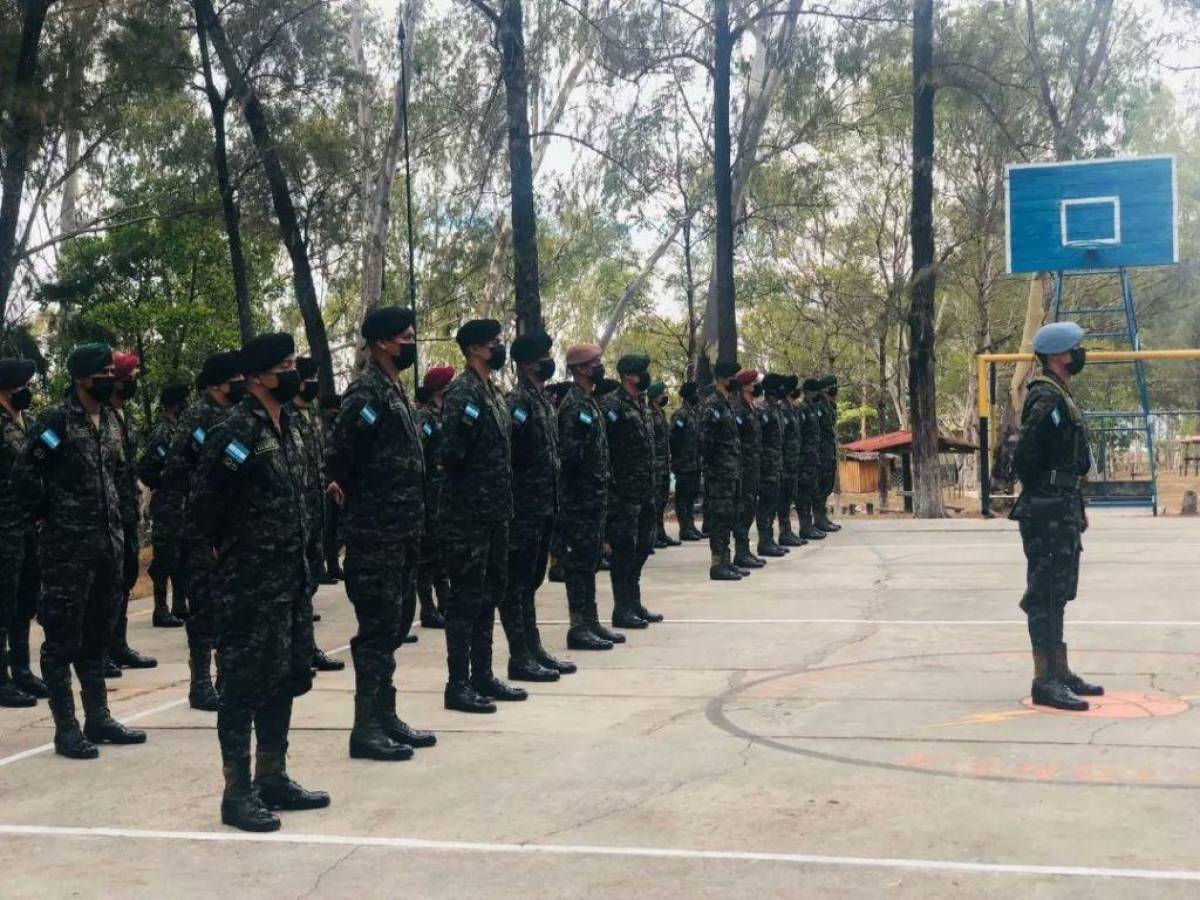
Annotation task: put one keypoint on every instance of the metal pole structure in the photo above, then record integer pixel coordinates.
(412, 272)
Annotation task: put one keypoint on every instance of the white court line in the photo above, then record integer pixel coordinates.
(136, 717)
(398, 843)
(1100, 623)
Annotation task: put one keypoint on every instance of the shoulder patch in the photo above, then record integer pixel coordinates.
(471, 411)
(739, 420)
(586, 417)
(50, 438)
(613, 415)
(766, 419)
(237, 451)
(1055, 417)
(520, 416)
(716, 414)
(198, 435)
(427, 428)
(680, 423)
(161, 451)
(367, 414)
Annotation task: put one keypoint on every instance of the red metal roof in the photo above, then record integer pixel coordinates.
(901, 442)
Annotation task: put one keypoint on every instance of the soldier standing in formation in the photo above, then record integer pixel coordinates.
(376, 471)
(721, 450)
(1052, 460)
(70, 477)
(535, 471)
(248, 508)
(164, 514)
(827, 444)
(331, 540)
(790, 450)
(808, 479)
(432, 585)
(18, 543)
(749, 425)
(685, 460)
(658, 399)
(772, 415)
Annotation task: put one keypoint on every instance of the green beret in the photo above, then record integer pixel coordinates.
(633, 364)
(656, 390)
(726, 369)
(307, 367)
(266, 351)
(477, 331)
(15, 373)
(387, 322)
(88, 359)
(531, 346)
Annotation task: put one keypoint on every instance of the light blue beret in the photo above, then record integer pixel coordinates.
(1057, 337)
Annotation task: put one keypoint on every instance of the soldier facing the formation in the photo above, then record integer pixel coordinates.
(685, 460)
(721, 451)
(1052, 460)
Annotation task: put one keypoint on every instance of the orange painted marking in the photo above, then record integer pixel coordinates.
(1122, 705)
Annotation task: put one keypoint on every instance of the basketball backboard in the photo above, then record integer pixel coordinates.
(1091, 214)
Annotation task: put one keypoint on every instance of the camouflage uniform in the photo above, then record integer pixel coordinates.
(773, 424)
(477, 509)
(662, 466)
(375, 455)
(431, 573)
(165, 513)
(1052, 460)
(685, 461)
(790, 474)
(631, 495)
(332, 540)
(535, 474)
(827, 450)
(808, 496)
(307, 422)
(130, 515)
(247, 510)
(750, 427)
(18, 557)
(721, 449)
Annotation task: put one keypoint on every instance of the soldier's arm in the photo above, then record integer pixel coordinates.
(520, 412)
(36, 462)
(183, 454)
(460, 421)
(1037, 424)
(219, 472)
(150, 466)
(353, 430)
(571, 432)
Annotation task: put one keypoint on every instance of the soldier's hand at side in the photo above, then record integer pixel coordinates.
(336, 494)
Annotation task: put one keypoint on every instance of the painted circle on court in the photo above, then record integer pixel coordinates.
(836, 713)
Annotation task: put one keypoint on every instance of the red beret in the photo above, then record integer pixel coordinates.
(746, 376)
(125, 364)
(437, 377)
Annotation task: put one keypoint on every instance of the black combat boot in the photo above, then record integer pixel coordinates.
(526, 668)
(743, 558)
(821, 519)
(1078, 686)
(322, 662)
(396, 728)
(108, 667)
(635, 603)
(556, 572)
(431, 616)
(368, 739)
(277, 791)
(22, 674)
(68, 738)
(580, 635)
(99, 726)
(721, 570)
(533, 641)
(624, 614)
(163, 617)
(770, 549)
(201, 694)
(11, 695)
(461, 697)
(241, 806)
(488, 685)
(808, 530)
(521, 664)
(128, 658)
(1047, 689)
(599, 630)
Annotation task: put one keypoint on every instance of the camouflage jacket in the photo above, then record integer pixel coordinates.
(535, 462)
(662, 441)
(374, 453)
(14, 519)
(476, 452)
(685, 440)
(129, 491)
(809, 418)
(1053, 455)
(429, 427)
(70, 474)
(719, 442)
(749, 424)
(827, 436)
(188, 442)
(151, 465)
(772, 417)
(630, 446)
(583, 449)
(790, 443)
(307, 423)
(247, 503)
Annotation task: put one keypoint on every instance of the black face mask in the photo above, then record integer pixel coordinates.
(406, 357)
(643, 382)
(1078, 360)
(757, 390)
(598, 373)
(237, 390)
(545, 370)
(498, 358)
(21, 399)
(102, 389)
(288, 387)
(310, 390)
(129, 389)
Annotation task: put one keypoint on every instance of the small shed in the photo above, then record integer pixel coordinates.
(864, 462)
(1190, 457)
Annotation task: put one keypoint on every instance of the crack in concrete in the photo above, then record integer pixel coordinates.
(320, 877)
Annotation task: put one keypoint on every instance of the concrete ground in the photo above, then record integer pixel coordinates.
(847, 723)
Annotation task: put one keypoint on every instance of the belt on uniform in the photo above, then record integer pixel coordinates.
(1064, 479)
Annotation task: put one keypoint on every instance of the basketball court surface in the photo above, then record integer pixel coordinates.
(851, 722)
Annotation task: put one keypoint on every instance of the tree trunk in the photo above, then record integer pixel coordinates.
(20, 106)
(520, 168)
(281, 197)
(922, 369)
(217, 102)
(689, 294)
(722, 284)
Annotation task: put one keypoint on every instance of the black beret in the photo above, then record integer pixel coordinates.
(266, 351)
(606, 386)
(307, 367)
(689, 390)
(14, 373)
(219, 368)
(88, 359)
(773, 383)
(791, 383)
(633, 364)
(812, 384)
(829, 381)
(387, 322)
(726, 369)
(477, 331)
(530, 346)
(174, 394)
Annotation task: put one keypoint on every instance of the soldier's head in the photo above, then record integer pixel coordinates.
(127, 369)
(789, 390)
(634, 370)
(724, 377)
(93, 374)
(584, 362)
(690, 393)
(531, 356)
(812, 389)
(15, 376)
(391, 337)
(221, 377)
(173, 398)
(1058, 349)
(774, 386)
(479, 341)
(310, 385)
(657, 394)
(437, 379)
(829, 387)
(747, 382)
(269, 364)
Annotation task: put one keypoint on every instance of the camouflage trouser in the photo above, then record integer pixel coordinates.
(528, 555)
(431, 570)
(331, 535)
(381, 585)
(662, 483)
(130, 564)
(631, 536)
(721, 501)
(768, 503)
(827, 477)
(747, 508)
(203, 609)
(1052, 549)
(477, 565)
(808, 497)
(582, 537)
(687, 486)
(165, 541)
(785, 499)
(80, 589)
(18, 596)
(271, 719)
